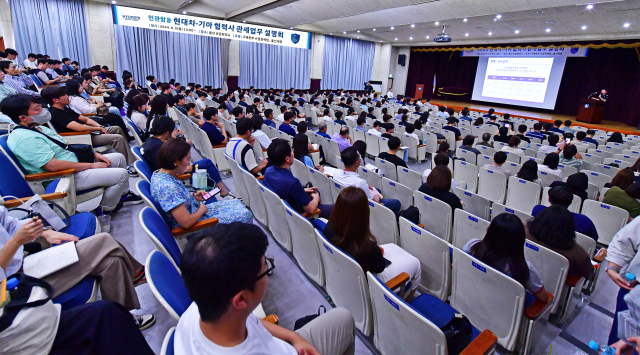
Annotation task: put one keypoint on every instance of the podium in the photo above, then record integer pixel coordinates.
(590, 111)
(419, 89)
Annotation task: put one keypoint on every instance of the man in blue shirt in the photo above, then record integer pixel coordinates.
(286, 126)
(242, 102)
(556, 127)
(322, 130)
(489, 114)
(451, 127)
(467, 143)
(559, 196)
(339, 119)
(536, 132)
(589, 137)
(213, 128)
(370, 113)
(281, 181)
(268, 114)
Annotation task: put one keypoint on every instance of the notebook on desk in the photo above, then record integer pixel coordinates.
(50, 260)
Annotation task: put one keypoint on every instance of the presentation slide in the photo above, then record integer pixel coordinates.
(522, 81)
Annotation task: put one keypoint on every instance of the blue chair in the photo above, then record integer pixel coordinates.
(167, 344)
(136, 151)
(144, 187)
(160, 235)
(137, 135)
(166, 284)
(36, 80)
(143, 170)
(84, 292)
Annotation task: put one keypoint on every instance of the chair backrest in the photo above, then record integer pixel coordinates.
(138, 154)
(467, 155)
(299, 170)
(160, 235)
(241, 188)
(608, 219)
(336, 187)
(388, 169)
(492, 185)
(373, 145)
(467, 226)
(587, 243)
(431, 142)
(434, 256)
(395, 190)
(276, 217)
(409, 178)
(166, 284)
(397, 325)
(552, 268)
(467, 172)
(143, 170)
(597, 179)
(323, 183)
(489, 298)
(573, 207)
(384, 144)
(522, 195)
(144, 187)
(498, 208)
(512, 167)
(548, 178)
(484, 150)
(332, 153)
(435, 215)
(606, 169)
(473, 203)
(382, 223)
(167, 343)
(258, 206)
(13, 182)
(346, 284)
(591, 158)
(373, 179)
(134, 131)
(305, 245)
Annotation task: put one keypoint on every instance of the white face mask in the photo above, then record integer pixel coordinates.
(42, 118)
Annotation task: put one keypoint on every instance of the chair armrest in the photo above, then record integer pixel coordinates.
(600, 255)
(309, 215)
(314, 151)
(421, 225)
(220, 146)
(200, 225)
(398, 281)
(537, 307)
(272, 318)
(424, 145)
(45, 85)
(49, 174)
(18, 202)
(183, 176)
(261, 177)
(573, 280)
(481, 344)
(264, 150)
(89, 114)
(66, 134)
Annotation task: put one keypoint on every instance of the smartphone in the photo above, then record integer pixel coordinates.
(211, 193)
(506, 125)
(567, 141)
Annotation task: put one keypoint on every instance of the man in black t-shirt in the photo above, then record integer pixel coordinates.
(390, 129)
(390, 156)
(64, 119)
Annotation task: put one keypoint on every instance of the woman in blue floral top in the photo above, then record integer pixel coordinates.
(181, 207)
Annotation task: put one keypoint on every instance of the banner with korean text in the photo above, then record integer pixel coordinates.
(530, 51)
(157, 20)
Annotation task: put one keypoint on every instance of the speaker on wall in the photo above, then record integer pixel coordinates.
(402, 59)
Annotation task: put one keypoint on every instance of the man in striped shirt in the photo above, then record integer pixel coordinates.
(19, 82)
(5, 90)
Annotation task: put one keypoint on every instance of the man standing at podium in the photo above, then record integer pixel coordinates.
(603, 96)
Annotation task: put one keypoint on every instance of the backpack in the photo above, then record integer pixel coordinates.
(412, 213)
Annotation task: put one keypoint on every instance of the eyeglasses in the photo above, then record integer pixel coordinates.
(270, 266)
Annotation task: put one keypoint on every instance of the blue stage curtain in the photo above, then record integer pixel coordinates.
(170, 55)
(267, 66)
(348, 63)
(53, 27)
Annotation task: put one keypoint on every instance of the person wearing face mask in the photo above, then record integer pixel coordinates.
(35, 149)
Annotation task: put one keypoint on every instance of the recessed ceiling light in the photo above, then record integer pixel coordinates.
(548, 30)
(498, 16)
(413, 25)
(374, 29)
(427, 37)
(495, 19)
(539, 12)
(358, 37)
(490, 33)
(549, 22)
(464, 20)
(392, 27)
(589, 7)
(358, 31)
(289, 27)
(396, 39)
(466, 35)
(411, 38)
(344, 32)
(243, 21)
(517, 31)
(184, 12)
(626, 25)
(113, 2)
(584, 27)
(331, 33)
(437, 23)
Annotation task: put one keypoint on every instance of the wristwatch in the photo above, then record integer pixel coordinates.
(616, 269)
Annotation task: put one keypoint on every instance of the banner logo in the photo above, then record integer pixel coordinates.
(295, 38)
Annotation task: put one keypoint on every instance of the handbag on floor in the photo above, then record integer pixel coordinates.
(306, 319)
(458, 332)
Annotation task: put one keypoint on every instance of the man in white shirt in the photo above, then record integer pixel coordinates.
(553, 139)
(262, 137)
(30, 62)
(240, 148)
(283, 109)
(390, 93)
(376, 129)
(226, 291)
(200, 101)
(349, 177)
(442, 112)
(498, 160)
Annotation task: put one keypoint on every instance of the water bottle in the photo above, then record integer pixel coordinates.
(629, 277)
(606, 350)
(200, 179)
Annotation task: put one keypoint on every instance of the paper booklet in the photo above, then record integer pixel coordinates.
(50, 260)
(330, 171)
